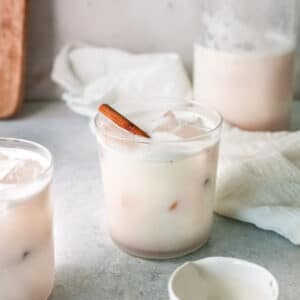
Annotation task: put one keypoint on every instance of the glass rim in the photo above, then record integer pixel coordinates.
(171, 101)
(6, 141)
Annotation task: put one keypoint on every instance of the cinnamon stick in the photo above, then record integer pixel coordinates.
(121, 121)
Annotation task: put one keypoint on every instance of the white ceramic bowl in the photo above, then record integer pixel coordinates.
(222, 278)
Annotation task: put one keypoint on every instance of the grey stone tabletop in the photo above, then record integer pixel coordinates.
(88, 265)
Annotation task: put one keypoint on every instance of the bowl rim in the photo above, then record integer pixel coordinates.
(220, 259)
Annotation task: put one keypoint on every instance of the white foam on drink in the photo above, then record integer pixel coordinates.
(224, 32)
(19, 174)
(174, 135)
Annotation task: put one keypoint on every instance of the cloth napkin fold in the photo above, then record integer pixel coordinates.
(259, 173)
(259, 180)
(90, 76)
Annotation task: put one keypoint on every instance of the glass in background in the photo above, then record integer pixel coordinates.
(244, 61)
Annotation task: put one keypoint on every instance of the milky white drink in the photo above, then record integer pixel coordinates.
(160, 192)
(26, 243)
(250, 85)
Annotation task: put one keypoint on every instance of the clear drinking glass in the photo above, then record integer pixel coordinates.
(26, 241)
(159, 192)
(244, 59)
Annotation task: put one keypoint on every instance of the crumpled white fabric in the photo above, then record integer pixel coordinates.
(259, 180)
(259, 173)
(90, 76)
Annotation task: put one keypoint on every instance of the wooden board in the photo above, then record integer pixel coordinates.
(12, 54)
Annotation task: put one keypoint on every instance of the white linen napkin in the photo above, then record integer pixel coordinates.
(259, 173)
(90, 76)
(259, 180)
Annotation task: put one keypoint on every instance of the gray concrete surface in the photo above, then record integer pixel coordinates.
(89, 266)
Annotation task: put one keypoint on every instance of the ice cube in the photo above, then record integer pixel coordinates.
(165, 136)
(118, 138)
(182, 126)
(3, 156)
(114, 131)
(187, 131)
(6, 166)
(168, 122)
(21, 170)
